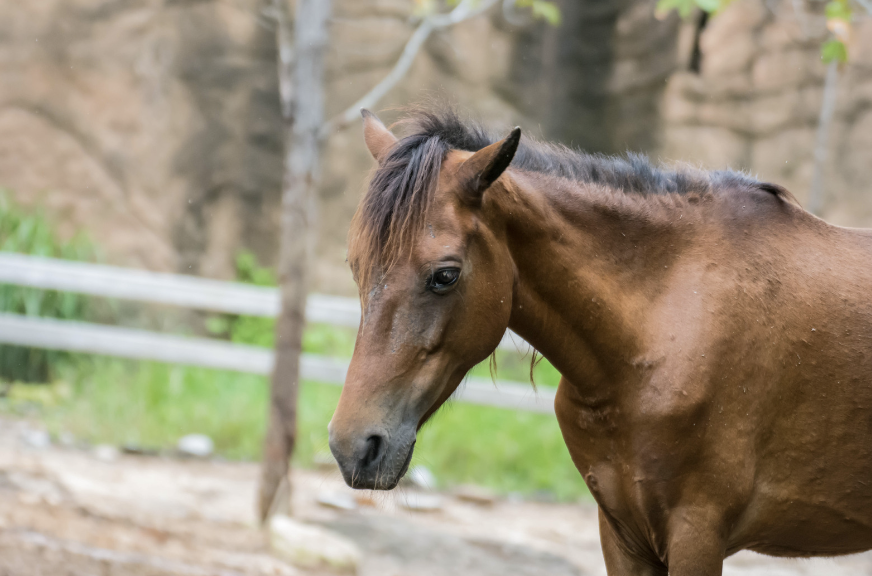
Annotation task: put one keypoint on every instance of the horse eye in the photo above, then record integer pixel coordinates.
(442, 280)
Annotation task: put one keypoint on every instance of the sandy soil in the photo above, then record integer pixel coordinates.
(65, 511)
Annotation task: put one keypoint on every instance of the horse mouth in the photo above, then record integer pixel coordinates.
(408, 461)
(382, 482)
(405, 468)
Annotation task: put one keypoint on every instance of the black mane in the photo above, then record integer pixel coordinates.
(631, 172)
(394, 208)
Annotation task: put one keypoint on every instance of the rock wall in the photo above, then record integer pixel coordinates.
(458, 65)
(755, 103)
(149, 123)
(595, 81)
(155, 125)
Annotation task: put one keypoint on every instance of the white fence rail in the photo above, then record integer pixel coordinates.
(203, 294)
(142, 345)
(179, 290)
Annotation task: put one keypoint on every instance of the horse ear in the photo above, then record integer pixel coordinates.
(378, 138)
(482, 169)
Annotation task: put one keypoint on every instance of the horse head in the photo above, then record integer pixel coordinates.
(435, 279)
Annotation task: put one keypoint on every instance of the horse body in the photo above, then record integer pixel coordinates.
(744, 394)
(715, 347)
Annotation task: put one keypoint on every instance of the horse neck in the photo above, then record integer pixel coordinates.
(587, 261)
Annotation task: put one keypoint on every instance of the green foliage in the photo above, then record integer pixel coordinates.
(508, 451)
(30, 232)
(249, 271)
(542, 10)
(839, 10)
(151, 405)
(839, 14)
(424, 8)
(260, 331)
(685, 8)
(834, 51)
(254, 330)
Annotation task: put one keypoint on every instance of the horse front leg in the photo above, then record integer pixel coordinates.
(695, 546)
(619, 560)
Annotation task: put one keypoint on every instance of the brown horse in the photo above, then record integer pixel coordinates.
(715, 340)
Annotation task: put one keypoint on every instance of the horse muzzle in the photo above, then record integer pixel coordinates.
(375, 460)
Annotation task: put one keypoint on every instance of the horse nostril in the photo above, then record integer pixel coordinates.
(374, 445)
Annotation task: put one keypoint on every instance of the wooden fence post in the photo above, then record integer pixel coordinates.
(301, 74)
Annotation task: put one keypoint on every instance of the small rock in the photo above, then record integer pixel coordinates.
(421, 477)
(106, 453)
(196, 445)
(338, 500)
(418, 502)
(309, 546)
(36, 438)
(475, 495)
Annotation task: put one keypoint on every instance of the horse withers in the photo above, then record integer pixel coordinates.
(714, 339)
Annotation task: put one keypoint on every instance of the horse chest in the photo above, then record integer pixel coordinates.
(598, 429)
(631, 459)
(588, 428)
(595, 439)
(598, 451)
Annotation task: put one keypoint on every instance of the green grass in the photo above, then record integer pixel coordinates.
(31, 232)
(151, 405)
(506, 450)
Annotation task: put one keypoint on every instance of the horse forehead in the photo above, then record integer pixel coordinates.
(448, 213)
(437, 246)
(444, 217)
(445, 234)
(385, 295)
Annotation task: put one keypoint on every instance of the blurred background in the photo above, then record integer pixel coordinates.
(155, 126)
(149, 135)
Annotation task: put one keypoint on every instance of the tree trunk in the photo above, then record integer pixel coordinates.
(301, 86)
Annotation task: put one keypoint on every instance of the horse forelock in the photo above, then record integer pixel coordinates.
(395, 206)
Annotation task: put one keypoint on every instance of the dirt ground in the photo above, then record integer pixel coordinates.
(68, 511)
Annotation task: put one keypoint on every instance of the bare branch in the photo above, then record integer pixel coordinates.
(285, 45)
(379, 90)
(828, 108)
(464, 11)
